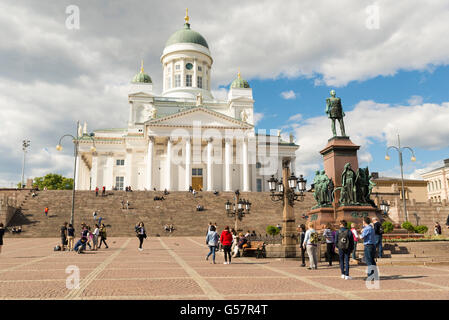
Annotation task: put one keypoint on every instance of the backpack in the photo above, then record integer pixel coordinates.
(314, 238)
(343, 239)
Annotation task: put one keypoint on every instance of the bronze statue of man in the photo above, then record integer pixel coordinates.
(334, 111)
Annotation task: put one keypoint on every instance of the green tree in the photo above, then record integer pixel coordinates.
(53, 182)
(272, 230)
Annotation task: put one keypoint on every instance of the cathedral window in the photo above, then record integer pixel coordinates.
(177, 80)
(200, 68)
(199, 82)
(168, 83)
(119, 182)
(188, 80)
(178, 67)
(120, 162)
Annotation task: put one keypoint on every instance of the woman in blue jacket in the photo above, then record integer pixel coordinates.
(212, 242)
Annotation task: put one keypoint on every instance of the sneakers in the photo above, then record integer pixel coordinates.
(343, 276)
(225, 262)
(348, 278)
(140, 249)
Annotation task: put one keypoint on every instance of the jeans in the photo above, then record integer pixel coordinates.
(141, 237)
(311, 251)
(303, 256)
(329, 252)
(227, 253)
(344, 261)
(103, 240)
(354, 251)
(80, 244)
(211, 252)
(378, 238)
(370, 252)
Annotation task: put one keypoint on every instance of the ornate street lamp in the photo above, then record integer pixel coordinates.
(25, 145)
(413, 158)
(385, 207)
(76, 140)
(290, 189)
(239, 208)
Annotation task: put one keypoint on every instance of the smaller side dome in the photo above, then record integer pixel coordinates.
(239, 82)
(141, 77)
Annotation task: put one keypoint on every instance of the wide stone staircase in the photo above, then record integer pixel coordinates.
(178, 209)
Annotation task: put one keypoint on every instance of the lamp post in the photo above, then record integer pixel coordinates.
(25, 145)
(239, 209)
(286, 192)
(76, 140)
(385, 207)
(400, 149)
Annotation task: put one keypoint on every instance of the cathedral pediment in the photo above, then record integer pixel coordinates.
(198, 116)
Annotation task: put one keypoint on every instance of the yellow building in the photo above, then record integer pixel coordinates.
(388, 188)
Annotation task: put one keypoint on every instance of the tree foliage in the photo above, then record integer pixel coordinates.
(272, 230)
(53, 182)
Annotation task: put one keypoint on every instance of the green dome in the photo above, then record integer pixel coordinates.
(186, 35)
(240, 83)
(141, 77)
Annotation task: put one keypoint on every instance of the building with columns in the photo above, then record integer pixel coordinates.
(184, 137)
(438, 183)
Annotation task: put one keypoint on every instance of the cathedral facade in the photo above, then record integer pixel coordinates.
(184, 137)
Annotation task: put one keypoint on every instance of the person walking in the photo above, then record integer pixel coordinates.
(311, 243)
(302, 235)
(70, 237)
(212, 243)
(378, 232)
(141, 234)
(94, 215)
(356, 240)
(95, 236)
(103, 192)
(329, 236)
(344, 240)
(46, 211)
(96, 191)
(63, 235)
(103, 236)
(2, 233)
(369, 243)
(226, 242)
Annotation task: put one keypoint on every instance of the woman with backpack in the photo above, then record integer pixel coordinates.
(141, 234)
(311, 244)
(212, 243)
(345, 245)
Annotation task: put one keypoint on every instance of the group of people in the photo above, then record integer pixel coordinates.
(103, 191)
(228, 241)
(92, 239)
(345, 240)
(169, 228)
(16, 229)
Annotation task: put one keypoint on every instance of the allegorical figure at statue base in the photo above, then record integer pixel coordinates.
(334, 111)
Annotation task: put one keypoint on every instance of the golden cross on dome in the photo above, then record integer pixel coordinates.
(141, 66)
(186, 18)
(238, 74)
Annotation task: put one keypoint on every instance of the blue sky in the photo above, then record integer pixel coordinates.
(387, 60)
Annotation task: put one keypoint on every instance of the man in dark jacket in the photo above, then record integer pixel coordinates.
(302, 234)
(345, 244)
(378, 232)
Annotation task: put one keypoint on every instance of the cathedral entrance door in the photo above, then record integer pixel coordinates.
(197, 178)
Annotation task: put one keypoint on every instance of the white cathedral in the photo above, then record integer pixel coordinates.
(184, 137)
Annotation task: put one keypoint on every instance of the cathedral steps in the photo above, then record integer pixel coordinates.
(178, 209)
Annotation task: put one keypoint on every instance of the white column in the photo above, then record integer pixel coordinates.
(77, 173)
(228, 161)
(172, 84)
(168, 164)
(128, 169)
(94, 171)
(109, 179)
(195, 73)
(209, 165)
(245, 165)
(130, 117)
(188, 157)
(183, 73)
(149, 182)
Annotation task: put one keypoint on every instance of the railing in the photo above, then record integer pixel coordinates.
(267, 239)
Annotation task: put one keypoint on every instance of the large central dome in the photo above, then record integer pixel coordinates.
(187, 35)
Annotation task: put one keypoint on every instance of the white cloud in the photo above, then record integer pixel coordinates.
(295, 118)
(257, 117)
(288, 95)
(415, 100)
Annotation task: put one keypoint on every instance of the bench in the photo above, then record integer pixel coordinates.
(258, 247)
